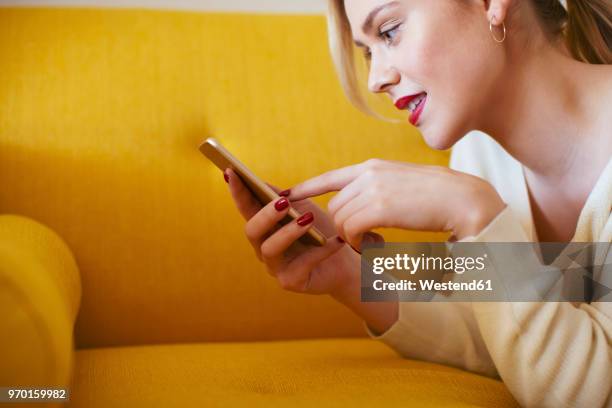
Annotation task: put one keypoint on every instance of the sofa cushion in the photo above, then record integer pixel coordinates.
(297, 373)
(39, 298)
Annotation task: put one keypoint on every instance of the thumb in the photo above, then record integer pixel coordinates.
(318, 254)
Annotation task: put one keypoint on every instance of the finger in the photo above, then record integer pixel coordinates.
(345, 212)
(366, 182)
(373, 237)
(365, 219)
(298, 273)
(332, 180)
(246, 202)
(265, 222)
(345, 195)
(273, 248)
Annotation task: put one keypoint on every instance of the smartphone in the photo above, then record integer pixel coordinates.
(223, 159)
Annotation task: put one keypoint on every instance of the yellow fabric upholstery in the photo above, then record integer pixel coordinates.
(39, 298)
(102, 114)
(298, 373)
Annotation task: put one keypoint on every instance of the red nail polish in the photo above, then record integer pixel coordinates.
(225, 177)
(285, 193)
(281, 204)
(340, 240)
(305, 219)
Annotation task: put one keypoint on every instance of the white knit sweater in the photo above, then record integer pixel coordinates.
(548, 354)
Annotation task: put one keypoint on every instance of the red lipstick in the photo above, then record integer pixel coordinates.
(414, 116)
(402, 102)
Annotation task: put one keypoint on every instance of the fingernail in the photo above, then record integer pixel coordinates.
(281, 204)
(285, 193)
(305, 219)
(340, 240)
(225, 176)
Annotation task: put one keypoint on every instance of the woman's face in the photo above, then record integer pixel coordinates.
(442, 48)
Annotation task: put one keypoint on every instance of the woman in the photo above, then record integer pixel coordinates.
(536, 78)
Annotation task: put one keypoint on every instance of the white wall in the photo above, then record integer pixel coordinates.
(257, 6)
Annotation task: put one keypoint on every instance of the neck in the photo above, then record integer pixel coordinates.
(548, 115)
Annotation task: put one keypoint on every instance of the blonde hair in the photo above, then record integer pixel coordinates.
(342, 51)
(586, 28)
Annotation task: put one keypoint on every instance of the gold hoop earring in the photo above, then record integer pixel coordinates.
(493, 34)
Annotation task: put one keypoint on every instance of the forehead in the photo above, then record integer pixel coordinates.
(357, 11)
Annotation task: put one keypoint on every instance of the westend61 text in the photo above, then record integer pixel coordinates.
(431, 285)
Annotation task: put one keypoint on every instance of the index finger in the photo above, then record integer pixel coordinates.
(333, 180)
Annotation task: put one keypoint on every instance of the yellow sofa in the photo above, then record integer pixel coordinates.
(111, 211)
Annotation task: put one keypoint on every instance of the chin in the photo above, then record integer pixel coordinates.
(437, 140)
(442, 136)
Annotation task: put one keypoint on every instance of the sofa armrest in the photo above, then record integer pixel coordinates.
(40, 292)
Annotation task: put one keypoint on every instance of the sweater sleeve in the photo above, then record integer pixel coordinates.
(443, 332)
(440, 332)
(549, 354)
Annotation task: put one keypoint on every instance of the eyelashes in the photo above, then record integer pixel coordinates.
(388, 36)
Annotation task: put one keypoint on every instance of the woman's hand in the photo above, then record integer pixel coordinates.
(381, 193)
(297, 267)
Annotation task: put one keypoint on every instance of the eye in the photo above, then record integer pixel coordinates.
(390, 34)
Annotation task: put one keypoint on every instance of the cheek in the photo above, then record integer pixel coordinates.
(449, 57)
(432, 55)
(449, 62)
(447, 52)
(416, 55)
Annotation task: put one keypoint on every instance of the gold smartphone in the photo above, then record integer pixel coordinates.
(223, 159)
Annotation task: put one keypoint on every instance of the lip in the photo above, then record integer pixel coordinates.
(402, 102)
(414, 116)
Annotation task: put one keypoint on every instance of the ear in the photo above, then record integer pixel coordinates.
(498, 10)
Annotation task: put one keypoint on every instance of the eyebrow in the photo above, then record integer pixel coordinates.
(367, 24)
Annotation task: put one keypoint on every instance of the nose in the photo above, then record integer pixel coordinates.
(382, 76)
